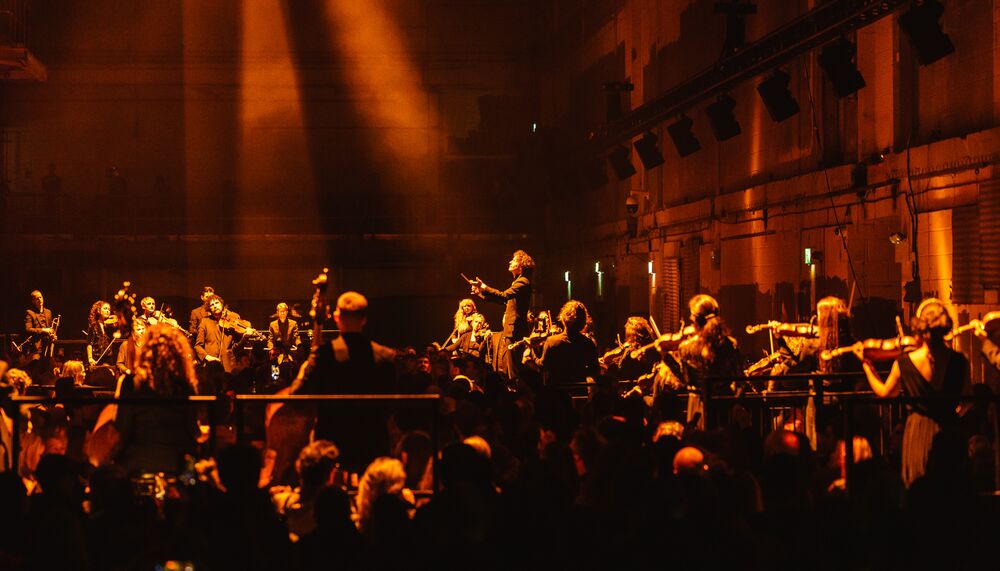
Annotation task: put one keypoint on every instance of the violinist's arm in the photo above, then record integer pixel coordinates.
(890, 387)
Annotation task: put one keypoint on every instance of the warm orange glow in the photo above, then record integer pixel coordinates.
(756, 137)
(272, 138)
(378, 65)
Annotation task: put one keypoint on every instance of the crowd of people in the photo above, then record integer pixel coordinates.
(533, 455)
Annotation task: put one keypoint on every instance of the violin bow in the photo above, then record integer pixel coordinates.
(656, 330)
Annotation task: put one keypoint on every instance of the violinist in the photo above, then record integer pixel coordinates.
(216, 339)
(149, 316)
(932, 369)
(102, 331)
(619, 360)
(284, 335)
(463, 319)
(569, 356)
(832, 330)
(709, 352)
(475, 341)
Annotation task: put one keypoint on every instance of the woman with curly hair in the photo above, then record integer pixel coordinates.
(100, 334)
(463, 320)
(156, 438)
(931, 370)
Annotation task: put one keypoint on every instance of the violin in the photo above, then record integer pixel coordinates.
(786, 329)
(531, 340)
(615, 355)
(240, 327)
(987, 324)
(878, 349)
(665, 342)
(160, 317)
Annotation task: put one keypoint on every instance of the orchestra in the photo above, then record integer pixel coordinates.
(652, 365)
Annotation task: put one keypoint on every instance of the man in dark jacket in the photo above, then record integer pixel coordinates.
(517, 299)
(200, 312)
(38, 324)
(215, 343)
(570, 356)
(350, 364)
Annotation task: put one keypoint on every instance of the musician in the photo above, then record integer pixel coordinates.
(516, 298)
(569, 356)
(200, 312)
(638, 333)
(215, 342)
(463, 319)
(350, 364)
(128, 350)
(474, 341)
(833, 327)
(148, 314)
(931, 370)
(38, 323)
(102, 331)
(284, 335)
(709, 352)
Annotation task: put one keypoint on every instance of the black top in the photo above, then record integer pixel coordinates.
(351, 364)
(517, 299)
(197, 314)
(154, 438)
(951, 379)
(568, 358)
(98, 339)
(724, 362)
(284, 335)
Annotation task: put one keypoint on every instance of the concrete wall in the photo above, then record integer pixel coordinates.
(756, 201)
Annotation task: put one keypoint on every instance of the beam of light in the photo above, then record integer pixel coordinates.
(273, 158)
(389, 89)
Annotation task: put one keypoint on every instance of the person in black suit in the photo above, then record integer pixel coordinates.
(38, 323)
(350, 364)
(517, 299)
(200, 312)
(284, 336)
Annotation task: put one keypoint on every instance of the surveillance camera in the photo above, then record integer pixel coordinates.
(631, 205)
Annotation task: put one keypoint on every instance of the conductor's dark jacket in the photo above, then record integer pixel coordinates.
(518, 299)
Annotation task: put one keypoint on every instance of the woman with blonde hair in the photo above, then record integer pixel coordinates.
(463, 319)
(156, 438)
(384, 476)
(931, 370)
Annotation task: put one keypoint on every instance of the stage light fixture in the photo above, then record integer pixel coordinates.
(621, 163)
(720, 117)
(922, 25)
(777, 98)
(684, 140)
(649, 155)
(837, 60)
